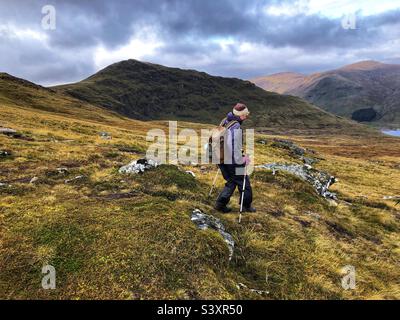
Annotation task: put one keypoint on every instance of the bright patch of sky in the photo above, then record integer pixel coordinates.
(332, 8)
(141, 45)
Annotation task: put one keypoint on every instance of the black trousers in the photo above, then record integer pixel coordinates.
(232, 181)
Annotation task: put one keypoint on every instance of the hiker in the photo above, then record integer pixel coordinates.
(237, 160)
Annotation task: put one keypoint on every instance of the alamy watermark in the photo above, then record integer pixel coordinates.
(349, 21)
(49, 280)
(349, 280)
(187, 147)
(49, 20)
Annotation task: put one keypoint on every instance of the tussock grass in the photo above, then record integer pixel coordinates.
(113, 236)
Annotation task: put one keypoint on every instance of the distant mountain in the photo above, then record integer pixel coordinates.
(153, 92)
(280, 82)
(366, 91)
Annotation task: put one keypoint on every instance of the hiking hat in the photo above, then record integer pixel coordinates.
(240, 110)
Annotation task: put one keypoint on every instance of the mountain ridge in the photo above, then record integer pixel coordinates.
(147, 91)
(366, 91)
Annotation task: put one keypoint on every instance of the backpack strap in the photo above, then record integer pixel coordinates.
(230, 124)
(222, 122)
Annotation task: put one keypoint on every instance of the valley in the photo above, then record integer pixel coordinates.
(365, 91)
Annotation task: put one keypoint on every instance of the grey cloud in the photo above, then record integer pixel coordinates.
(29, 59)
(190, 30)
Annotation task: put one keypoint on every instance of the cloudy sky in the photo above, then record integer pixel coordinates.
(234, 38)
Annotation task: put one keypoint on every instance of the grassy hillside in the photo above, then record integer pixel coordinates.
(280, 82)
(114, 236)
(148, 91)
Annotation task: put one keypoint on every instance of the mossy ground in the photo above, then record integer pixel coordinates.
(113, 236)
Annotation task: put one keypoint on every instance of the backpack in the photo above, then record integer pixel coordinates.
(217, 142)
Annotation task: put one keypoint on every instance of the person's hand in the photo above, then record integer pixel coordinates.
(246, 160)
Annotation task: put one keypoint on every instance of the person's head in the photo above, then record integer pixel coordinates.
(240, 110)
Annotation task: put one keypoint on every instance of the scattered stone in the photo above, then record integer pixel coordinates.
(191, 173)
(105, 135)
(4, 153)
(62, 170)
(8, 132)
(320, 180)
(243, 286)
(204, 221)
(289, 145)
(77, 178)
(394, 198)
(34, 179)
(307, 166)
(262, 141)
(14, 134)
(297, 151)
(4, 185)
(309, 161)
(138, 166)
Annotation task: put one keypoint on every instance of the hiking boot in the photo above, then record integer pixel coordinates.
(249, 209)
(223, 209)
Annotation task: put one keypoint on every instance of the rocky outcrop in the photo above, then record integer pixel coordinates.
(204, 221)
(296, 151)
(321, 181)
(242, 286)
(4, 185)
(105, 135)
(393, 198)
(138, 166)
(5, 153)
(62, 170)
(142, 165)
(34, 180)
(14, 134)
(191, 173)
(289, 145)
(9, 132)
(75, 179)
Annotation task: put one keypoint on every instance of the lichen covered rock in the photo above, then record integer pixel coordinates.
(320, 180)
(204, 221)
(138, 166)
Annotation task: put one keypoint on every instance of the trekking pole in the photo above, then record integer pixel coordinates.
(214, 182)
(242, 199)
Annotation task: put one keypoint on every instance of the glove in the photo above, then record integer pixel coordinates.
(246, 160)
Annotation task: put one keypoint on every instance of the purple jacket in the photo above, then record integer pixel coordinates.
(233, 142)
